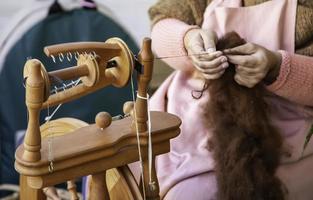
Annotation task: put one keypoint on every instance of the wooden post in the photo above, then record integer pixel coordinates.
(146, 57)
(98, 187)
(34, 100)
(27, 193)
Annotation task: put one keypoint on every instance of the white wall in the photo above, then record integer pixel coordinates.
(131, 13)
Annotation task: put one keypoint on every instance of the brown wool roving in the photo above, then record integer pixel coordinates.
(246, 146)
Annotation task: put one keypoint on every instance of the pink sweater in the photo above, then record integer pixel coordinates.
(187, 172)
(295, 81)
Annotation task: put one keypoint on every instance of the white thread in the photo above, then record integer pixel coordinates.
(69, 56)
(94, 54)
(76, 55)
(90, 56)
(149, 144)
(50, 153)
(149, 140)
(61, 57)
(48, 118)
(138, 140)
(50, 134)
(53, 58)
(64, 88)
(141, 97)
(117, 117)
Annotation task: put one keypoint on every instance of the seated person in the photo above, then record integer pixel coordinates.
(278, 54)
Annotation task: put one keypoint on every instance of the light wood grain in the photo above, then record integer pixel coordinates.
(80, 149)
(27, 193)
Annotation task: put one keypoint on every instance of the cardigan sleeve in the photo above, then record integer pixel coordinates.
(295, 79)
(171, 19)
(168, 43)
(188, 11)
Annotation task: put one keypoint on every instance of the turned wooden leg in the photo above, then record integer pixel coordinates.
(27, 193)
(98, 187)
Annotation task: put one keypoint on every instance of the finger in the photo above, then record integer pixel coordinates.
(196, 47)
(213, 76)
(247, 61)
(253, 74)
(244, 81)
(210, 56)
(213, 70)
(196, 44)
(245, 75)
(246, 70)
(246, 49)
(211, 64)
(210, 49)
(241, 81)
(209, 40)
(209, 43)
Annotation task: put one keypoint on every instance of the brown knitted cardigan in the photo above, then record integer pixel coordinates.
(191, 12)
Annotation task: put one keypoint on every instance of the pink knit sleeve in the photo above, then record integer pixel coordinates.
(295, 79)
(168, 41)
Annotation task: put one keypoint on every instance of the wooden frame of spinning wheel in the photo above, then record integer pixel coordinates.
(92, 149)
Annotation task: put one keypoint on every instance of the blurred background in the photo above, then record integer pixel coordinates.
(27, 26)
(131, 13)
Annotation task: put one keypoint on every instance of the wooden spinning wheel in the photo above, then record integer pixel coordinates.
(102, 149)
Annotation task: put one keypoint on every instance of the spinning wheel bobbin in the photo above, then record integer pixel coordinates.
(92, 77)
(120, 58)
(121, 71)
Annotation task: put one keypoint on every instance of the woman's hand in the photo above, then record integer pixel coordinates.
(254, 63)
(200, 45)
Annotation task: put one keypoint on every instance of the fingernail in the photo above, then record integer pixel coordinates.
(210, 50)
(224, 59)
(225, 65)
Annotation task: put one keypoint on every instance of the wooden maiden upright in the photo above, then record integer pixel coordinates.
(34, 100)
(80, 149)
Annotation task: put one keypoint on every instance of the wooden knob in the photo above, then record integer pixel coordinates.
(128, 107)
(103, 120)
